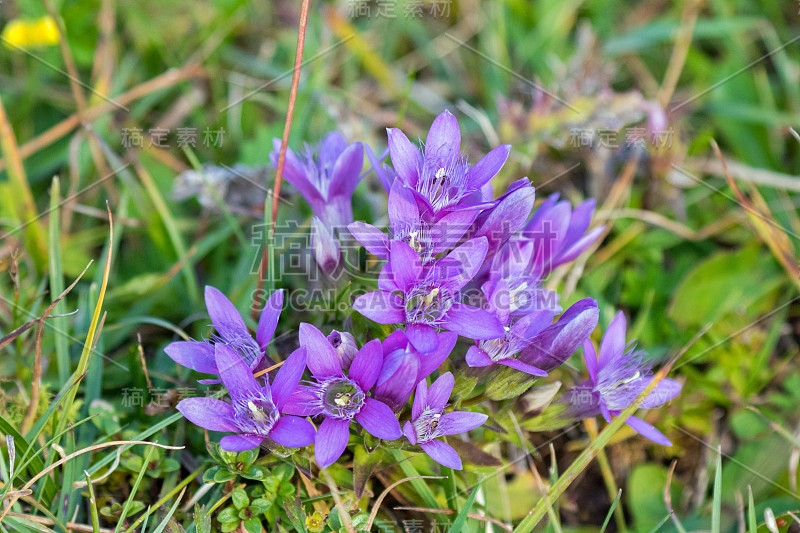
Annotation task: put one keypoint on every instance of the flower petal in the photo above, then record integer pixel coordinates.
(459, 422)
(406, 158)
(379, 420)
(402, 207)
(406, 267)
(440, 391)
(442, 453)
(665, 391)
(321, 357)
(381, 307)
(226, 319)
(193, 354)
(288, 377)
(371, 238)
(420, 399)
(590, 357)
(208, 413)
(516, 364)
(444, 136)
(613, 343)
(366, 366)
(269, 318)
(477, 357)
(470, 255)
(240, 443)
(397, 378)
(472, 322)
(331, 440)
(234, 372)
(408, 431)
(293, 432)
(647, 431)
(488, 167)
(423, 337)
(347, 171)
(302, 402)
(295, 174)
(428, 362)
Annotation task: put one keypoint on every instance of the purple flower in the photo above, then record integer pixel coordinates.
(230, 331)
(429, 422)
(254, 413)
(404, 366)
(340, 397)
(429, 298)
(506, 216)
(406, 224)
(326, 177)
(345, 346)
(327, 251)
(550, 348)
(440, 177)
(558, 233)
(618, 375)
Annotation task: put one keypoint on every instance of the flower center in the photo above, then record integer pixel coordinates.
(428, 425)
(247, 348)
(443, 180)
(428, 305)
(342, 398)
(255, 415)
(622, 380)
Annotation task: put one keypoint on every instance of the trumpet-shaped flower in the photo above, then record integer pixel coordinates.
(439, 176)
(617, 376)
(341, 397)
(255, 411)
(429, 298)
(429, 421)
(326, 176)
(230, 331)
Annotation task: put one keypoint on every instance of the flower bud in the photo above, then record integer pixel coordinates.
(345, 345)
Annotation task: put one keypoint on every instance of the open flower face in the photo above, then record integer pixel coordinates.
(231, 331)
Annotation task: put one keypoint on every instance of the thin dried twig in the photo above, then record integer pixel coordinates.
(287, 128)
(344, 516)
(386, 492)
(474, 516)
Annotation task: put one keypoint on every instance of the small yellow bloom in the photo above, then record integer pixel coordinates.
(22, 33)
(316, 522)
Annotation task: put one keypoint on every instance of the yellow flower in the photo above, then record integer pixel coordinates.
(22, 33)
(316, 522)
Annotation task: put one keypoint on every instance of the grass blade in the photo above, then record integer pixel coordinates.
(458, 523)
(716, 508)
(611, 511)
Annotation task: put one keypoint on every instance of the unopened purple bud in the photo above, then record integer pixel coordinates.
(326, 246)
(345, 345)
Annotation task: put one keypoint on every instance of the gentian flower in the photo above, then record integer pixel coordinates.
(230, 331)
(429, 421)
(617, 376)
(429, 298)
(406, 224)
(558, 233)
(404, 366)
(326, 177)
(532, 344)
(440, 177)
(255, 410)
(506, 216)
(340, 397)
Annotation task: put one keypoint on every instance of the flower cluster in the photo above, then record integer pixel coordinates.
(457, 262)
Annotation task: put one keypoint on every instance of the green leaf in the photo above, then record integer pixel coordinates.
(239, 498)
(255, 472)
(260, 506)
(458, 523)
(364, 464)
(247, 457)
(253, 525)
(229, 514)
(223, 475)
(202, 520)
(227, 527)
(726, 280)
(645, 495)
(208, 475)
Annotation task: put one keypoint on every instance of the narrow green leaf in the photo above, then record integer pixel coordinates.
(458, 523)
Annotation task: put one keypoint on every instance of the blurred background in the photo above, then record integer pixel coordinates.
(166, 111)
